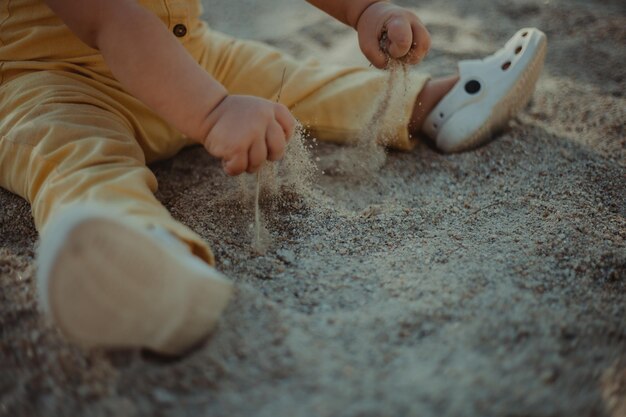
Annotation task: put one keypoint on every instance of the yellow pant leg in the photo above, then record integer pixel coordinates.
(334, 102)
(63, 141)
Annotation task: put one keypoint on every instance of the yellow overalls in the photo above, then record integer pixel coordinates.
(69, 133)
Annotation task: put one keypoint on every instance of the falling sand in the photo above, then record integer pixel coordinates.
(368, 154)
(292, 175)
(366, 157)
(257, 243)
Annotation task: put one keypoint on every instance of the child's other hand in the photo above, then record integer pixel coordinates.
(246, 131)
(407, 38)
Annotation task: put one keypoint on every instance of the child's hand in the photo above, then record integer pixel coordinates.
(246, 131)
(407, 38)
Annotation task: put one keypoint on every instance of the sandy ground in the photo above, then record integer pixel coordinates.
(481, 284)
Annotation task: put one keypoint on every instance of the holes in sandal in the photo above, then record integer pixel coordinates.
(435, 125)
(518, 50)
(524, 34)
(441, 115)
(472, 87)
(506, 65)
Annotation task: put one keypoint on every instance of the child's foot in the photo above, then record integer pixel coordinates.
(106, 283)
(489, 92)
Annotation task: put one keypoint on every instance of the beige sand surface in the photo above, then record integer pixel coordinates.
(490, 283)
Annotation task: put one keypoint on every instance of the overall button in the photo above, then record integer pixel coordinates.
(180, 30)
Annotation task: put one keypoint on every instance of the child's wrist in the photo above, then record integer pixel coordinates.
(355, 16)
(211, 117)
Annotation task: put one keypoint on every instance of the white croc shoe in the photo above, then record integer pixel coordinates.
(490, 91)
(106, 283)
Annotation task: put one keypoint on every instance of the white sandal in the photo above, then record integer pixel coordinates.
(490, 91)
(108, 284)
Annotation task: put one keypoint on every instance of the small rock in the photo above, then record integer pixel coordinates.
(83, 391)
(549, 376)
(286, 256)
(163, 396)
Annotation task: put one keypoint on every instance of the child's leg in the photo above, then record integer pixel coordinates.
(335, 102)
(428, 98)
(489, 92)
(64, 144)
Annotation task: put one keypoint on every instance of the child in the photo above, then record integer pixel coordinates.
(92, 90)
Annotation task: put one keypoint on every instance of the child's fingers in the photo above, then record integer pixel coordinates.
(370, 46)
(400, 36)
(236, 165)
(256, 155)
(421, 42)
(275, 139)
(285, 120)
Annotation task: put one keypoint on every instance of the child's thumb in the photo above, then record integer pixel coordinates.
(400, 37)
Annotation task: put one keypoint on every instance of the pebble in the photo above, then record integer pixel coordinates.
(548, 376)
(163, 396)
(83, 391)
(286, 256)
